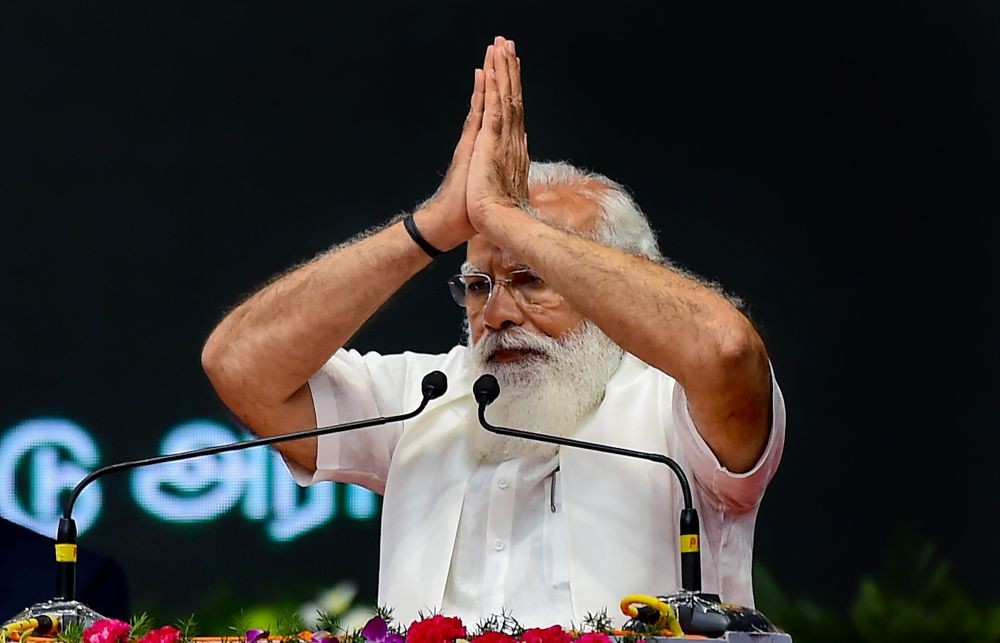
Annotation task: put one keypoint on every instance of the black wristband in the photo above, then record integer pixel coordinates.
(411, 228)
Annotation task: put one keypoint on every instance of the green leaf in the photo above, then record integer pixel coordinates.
(328, 621)
(142, 624)
(188, 628)
(72, 632)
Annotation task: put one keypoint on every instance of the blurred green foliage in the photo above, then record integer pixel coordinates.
(913, 598)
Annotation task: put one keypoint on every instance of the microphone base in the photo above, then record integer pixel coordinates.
(68, 612)
(706, 614)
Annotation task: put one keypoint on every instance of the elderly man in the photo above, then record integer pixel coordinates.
(590, 334)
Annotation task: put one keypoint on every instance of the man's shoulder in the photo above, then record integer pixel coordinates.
(455, 356)
(405, 369)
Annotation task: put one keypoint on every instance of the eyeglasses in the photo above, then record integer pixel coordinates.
(474, 290)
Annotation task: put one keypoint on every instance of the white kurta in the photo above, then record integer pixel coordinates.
(618, 525)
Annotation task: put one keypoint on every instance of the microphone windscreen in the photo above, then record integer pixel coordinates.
(434, 385)
(486, 389)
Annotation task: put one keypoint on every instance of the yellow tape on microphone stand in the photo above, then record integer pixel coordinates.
(65, 553)
(689, 543)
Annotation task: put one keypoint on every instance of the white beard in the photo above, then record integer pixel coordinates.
(548, 392)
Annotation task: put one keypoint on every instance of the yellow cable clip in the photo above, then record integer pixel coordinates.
(22, 629)
(668, 620)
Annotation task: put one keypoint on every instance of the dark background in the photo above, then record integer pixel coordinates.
(832, 163)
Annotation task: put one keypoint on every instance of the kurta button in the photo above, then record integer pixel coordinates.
(498, 544)
(503, 484)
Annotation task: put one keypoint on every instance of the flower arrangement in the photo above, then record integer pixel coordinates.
(382, 628)
(110, 630)
(503, 628)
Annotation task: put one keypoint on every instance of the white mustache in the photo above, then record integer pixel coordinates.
(558, 382)
(514, 339)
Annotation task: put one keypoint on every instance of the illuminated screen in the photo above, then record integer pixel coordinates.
(234, 525)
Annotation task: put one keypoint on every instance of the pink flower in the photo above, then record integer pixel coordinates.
(493, 637)
(165, 634)
(593, 637)
(554, 634)
(436, 629)
(257, 634)
(377, 631)
(107, 630)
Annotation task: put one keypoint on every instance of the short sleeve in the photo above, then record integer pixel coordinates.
(739, 491)
(353, 386)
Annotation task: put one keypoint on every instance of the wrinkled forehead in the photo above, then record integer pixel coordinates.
(570, 205)
(566, 206)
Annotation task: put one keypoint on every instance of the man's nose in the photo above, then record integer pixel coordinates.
(502, 310)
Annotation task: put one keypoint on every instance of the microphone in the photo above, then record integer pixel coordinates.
(434, 385)
(66, 608)
(486, 389)
(693, 611)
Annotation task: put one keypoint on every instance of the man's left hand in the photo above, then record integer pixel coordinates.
(498, 172)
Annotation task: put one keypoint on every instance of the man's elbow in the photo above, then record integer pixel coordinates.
(211, 359)
(217, 362)
(741, 353)
(749, 381)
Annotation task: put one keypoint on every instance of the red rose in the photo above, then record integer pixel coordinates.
(107, 630)
(593, 637)
(165, 634)
(494, 637)
(554, 634)
(436, 629)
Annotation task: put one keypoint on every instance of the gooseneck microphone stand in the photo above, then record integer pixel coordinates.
(66, 609)
(697, 612)
(487, 389)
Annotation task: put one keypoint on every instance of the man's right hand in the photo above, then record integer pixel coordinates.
(444, 218)
(261, 356)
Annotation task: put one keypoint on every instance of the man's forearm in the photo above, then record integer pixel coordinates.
(668, 320)
(270, 345)
(658, 314)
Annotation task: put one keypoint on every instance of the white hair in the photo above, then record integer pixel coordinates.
(622, 224)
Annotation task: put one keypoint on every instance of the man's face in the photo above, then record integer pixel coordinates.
(505, 309)
(552, 365)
